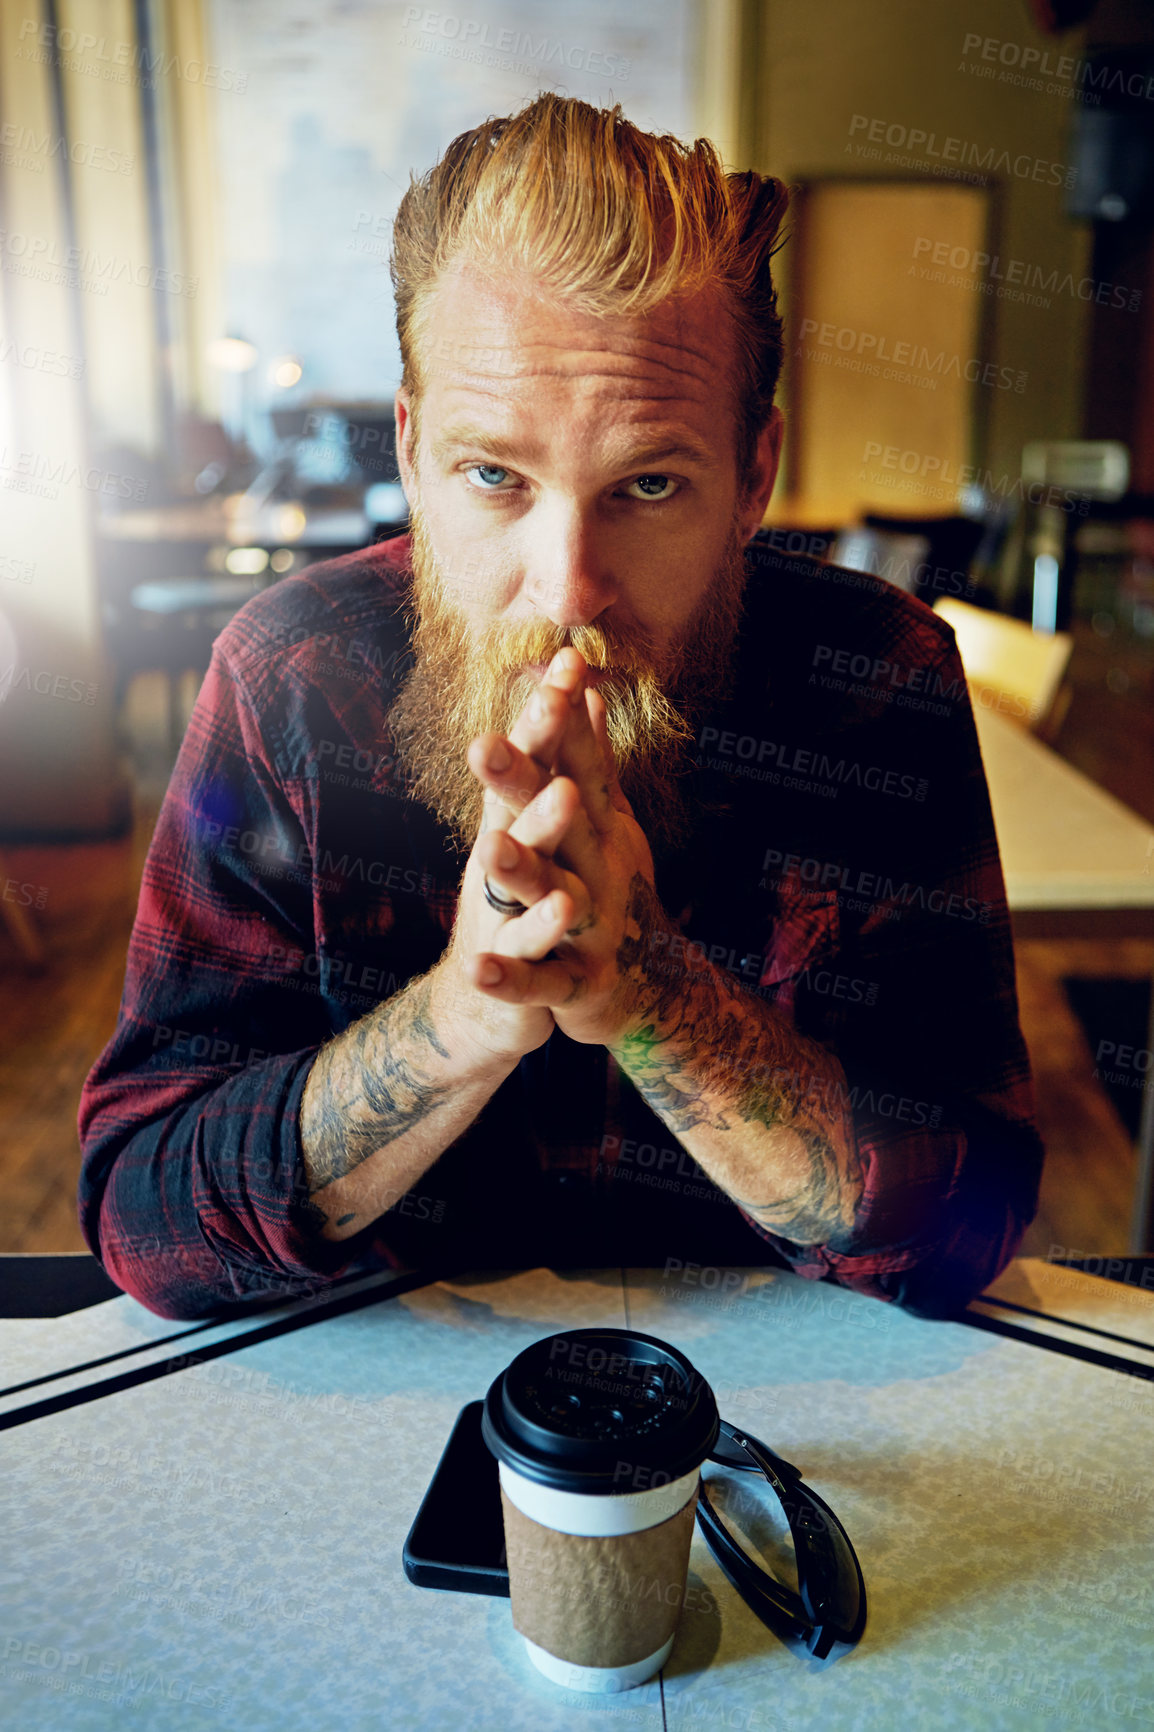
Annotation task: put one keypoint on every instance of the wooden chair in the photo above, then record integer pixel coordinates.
(1011, 667)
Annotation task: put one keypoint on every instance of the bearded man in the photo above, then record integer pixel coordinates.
(727, 972)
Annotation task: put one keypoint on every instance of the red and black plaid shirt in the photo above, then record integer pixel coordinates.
(843, 866)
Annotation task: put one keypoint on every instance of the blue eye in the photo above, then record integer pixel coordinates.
(491, 475)
(653, 486)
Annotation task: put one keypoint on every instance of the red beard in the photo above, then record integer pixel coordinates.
(463, 685)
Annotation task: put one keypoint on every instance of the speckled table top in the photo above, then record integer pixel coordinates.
(222, 1547)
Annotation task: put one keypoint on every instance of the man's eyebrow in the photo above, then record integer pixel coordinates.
(685, 449)
(464, 435)
(507, 450)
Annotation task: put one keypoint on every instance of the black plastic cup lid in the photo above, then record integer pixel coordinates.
(601, 1411)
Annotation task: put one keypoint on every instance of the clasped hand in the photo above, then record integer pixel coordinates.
(559, 836)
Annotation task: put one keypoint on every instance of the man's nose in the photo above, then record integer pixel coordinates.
(569, 580)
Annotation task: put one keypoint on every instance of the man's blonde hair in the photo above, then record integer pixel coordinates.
(607, 218)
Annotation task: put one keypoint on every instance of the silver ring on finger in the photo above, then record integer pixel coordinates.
(498, 903)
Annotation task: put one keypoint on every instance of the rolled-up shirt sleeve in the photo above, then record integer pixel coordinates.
(941, 1215)
(192, 1190)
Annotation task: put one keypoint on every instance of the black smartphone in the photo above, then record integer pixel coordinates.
(458, 1538)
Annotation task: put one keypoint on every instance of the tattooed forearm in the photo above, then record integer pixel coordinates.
(382, 1101)
(370, 1086)
(759, 1106)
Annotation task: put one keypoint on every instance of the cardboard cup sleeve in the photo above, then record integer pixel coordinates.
(597, 1602)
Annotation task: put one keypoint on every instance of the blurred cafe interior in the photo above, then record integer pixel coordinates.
(197, 367)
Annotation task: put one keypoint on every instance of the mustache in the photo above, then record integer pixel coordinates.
(468, 679)
(514, 647)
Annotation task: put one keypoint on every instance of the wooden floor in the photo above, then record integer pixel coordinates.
(54, 1023)
(1088, 1182)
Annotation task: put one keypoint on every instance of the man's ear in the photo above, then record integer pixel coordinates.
(403, 412)
(759, 482)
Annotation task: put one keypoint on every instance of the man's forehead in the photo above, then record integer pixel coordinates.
(480, 331)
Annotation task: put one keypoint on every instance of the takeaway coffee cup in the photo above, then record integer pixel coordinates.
(599, 1435)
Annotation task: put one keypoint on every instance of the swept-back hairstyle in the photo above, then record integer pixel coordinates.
(606, 218)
